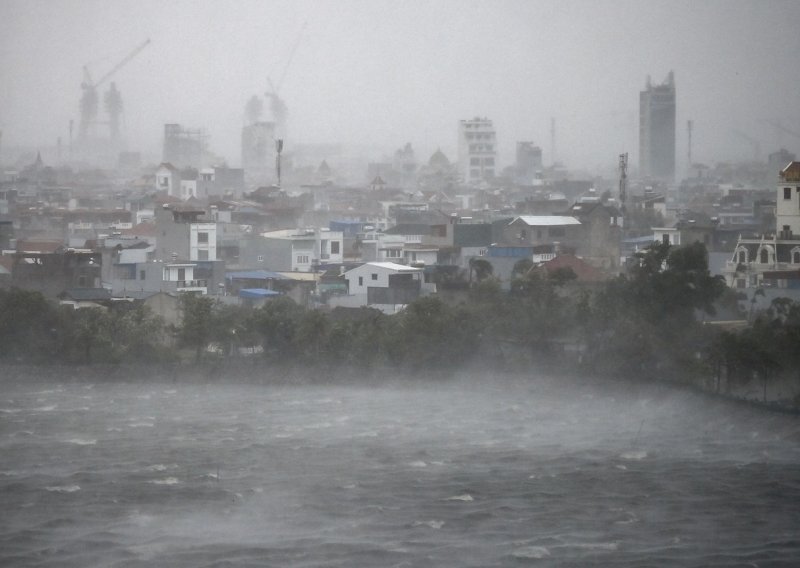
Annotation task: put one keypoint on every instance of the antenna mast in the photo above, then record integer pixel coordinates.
(623, 182)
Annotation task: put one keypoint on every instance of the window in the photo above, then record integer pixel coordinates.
(202, 238)
(764, 256)
(141, 275)
(741, 256)
(374, 276)
(787, 192)
(260, 258)
(181, 274)
(665, 239)
(202, 255)
(360, 280)
(488, 162)
(334, 247)
(474, 161)
(796, 257)
(302, 259)
(393, 253)
(557, 231)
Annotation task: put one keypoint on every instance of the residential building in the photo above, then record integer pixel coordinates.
(168, 179)
(386, 286)
(182, 234)
(657, 130)
(477, 150)
(300, 250)
(53, 272)
(772, 260)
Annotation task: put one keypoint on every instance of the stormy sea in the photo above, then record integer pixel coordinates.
(475, 471)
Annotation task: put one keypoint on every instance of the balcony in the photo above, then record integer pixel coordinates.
(183, 284)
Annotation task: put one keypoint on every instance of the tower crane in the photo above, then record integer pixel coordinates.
(755, 144)
(89, 99)
(278, 107)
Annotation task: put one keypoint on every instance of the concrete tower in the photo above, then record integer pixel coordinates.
(657, 130)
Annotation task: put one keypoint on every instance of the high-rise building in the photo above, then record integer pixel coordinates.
(657, 130)
(529, 161)
(258, 152)
(184, 147)
(477, 149)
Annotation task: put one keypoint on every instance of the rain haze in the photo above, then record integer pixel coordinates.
(378, 74)
(369, 283)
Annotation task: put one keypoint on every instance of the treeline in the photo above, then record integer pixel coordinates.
(645, 324)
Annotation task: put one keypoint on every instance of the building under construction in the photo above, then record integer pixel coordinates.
(258, 152)
(184, 147)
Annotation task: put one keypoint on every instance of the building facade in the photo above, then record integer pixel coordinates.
(657, 130)
(477, 150)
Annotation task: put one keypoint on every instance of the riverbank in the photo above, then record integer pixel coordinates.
(258, 372)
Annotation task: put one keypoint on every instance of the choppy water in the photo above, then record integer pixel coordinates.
(485, 472)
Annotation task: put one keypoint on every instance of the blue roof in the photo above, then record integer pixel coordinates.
(257, 293)
(254, 275)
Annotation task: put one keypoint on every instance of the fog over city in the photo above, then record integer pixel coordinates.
(377, 74)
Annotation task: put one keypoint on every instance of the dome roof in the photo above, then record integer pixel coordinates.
(438, 159)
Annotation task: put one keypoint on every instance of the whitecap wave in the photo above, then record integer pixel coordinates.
(418, 463)
(82, 441)
(165, 481)
(465, 497)
(63, 488)
(633, 455)
(533, 552)
(430, 524)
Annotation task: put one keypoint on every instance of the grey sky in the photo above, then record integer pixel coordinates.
(387, 72)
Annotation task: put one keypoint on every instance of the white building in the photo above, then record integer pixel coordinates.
(168, 179)
(386, 286)
(477, 150)
(772, 260)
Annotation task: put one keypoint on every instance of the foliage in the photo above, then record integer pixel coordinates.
(28, 326)
(196, 322)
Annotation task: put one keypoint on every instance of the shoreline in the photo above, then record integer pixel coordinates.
(257, 373)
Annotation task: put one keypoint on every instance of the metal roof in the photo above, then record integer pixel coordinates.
(547, 220)
(257, 293)
(254, 275)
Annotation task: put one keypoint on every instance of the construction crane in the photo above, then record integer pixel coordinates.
(780, 129)
(755, 144)
(89, 99)
(278, 107)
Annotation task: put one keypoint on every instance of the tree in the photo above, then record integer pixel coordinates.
(482, 269)
(196, 322)
(28, 325)
(276, 322)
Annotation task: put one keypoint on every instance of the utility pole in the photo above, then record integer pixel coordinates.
(553, 139)
(623, 182)
(689, 125)
(278, 150)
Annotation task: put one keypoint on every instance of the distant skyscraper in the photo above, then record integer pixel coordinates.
(258, 152)
(529, 160)
(657, 130)
(477, 149)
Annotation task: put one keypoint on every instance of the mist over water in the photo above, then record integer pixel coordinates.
(482, 471)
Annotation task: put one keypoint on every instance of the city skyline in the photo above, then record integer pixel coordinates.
(380, 74)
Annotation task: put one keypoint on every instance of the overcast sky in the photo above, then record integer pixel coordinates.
(383, 73)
